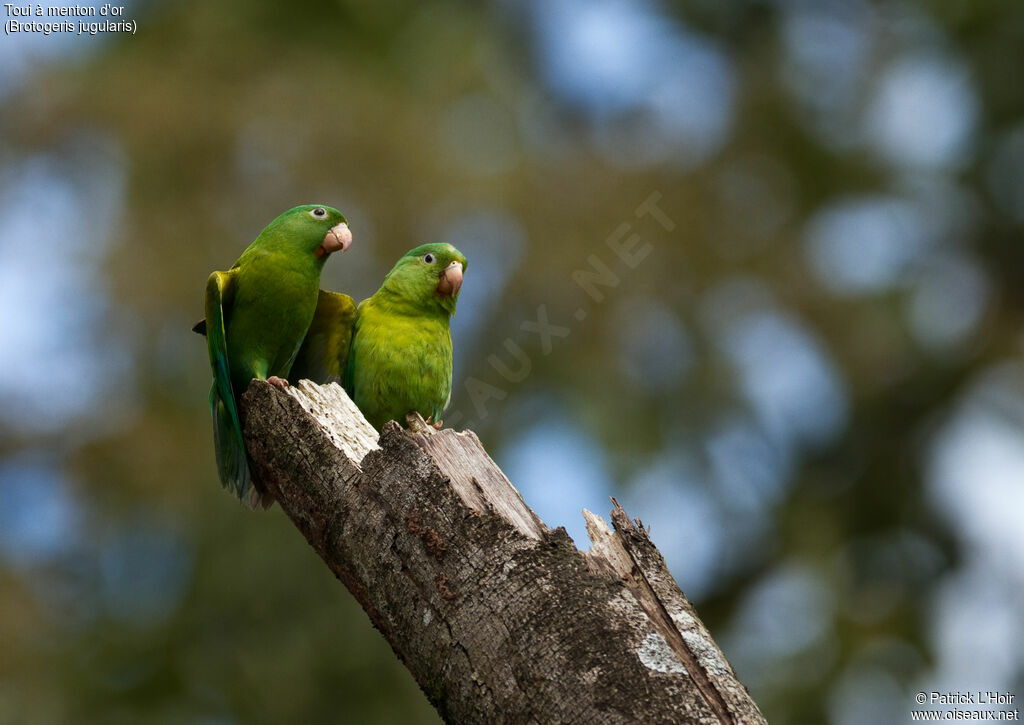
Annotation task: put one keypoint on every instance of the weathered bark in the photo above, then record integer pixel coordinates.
(499, 618)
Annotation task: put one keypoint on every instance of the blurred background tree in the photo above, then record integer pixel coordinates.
(811, 388)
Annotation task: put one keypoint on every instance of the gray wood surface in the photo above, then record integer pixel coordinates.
(499, 618)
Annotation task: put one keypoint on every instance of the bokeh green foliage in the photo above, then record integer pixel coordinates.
(221, 115)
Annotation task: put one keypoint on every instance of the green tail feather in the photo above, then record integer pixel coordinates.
(232, 460)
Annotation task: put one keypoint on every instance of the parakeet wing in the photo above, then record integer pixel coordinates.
(323, 356)
(227, 429)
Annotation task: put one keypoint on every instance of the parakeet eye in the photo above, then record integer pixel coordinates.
(319, 212)
(429, 258)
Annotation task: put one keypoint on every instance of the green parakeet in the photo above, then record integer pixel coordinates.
(393, 353)
(257, 314)
(401, 356)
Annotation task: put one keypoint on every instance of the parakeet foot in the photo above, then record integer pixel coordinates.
(414, 422)
(279, 383)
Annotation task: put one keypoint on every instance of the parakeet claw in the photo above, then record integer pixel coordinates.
(438, 425)
(279, 383)
(414, 422)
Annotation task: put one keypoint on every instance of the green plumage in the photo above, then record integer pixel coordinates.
(401, 356)
(393, 353)
(257, 314)
(323, 357)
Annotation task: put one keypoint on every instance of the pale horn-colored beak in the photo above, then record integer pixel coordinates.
(450, 281)
(338, 238)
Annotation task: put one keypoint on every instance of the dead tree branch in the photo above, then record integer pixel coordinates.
(499, 618)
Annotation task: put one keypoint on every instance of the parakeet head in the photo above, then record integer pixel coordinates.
(311, 228)
(429, 275)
